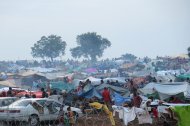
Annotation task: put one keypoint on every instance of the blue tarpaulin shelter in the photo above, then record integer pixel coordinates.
(91, 93)
(119, 100)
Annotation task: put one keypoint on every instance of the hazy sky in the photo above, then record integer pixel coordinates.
(142, 27)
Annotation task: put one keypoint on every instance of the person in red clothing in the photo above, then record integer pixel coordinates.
(136, 100)
(3, 94)
(106, 97)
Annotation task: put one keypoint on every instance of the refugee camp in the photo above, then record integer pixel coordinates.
(94, 63)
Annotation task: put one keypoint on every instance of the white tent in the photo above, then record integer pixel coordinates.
(119, 79)
(148, 89)
(94, 81)
(165, 90)
(56, 75)
(172, 72)
(165, 78)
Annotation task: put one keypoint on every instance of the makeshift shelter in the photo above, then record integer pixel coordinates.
(120, 80)
(165, 78)
(165, 90)
(57, 75)
(94, 81)
(141, 73)
(119, 100)
(76, 82)
(126, 95)
(87, 87)
(28, 77)
(80, 75)
(7, 84)
(91, 93)
(58, 86)
(28, 73)
(62, 86)
(172, 72)
(113, 89)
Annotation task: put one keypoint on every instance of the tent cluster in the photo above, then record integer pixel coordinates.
(166, 90)
(127, 81)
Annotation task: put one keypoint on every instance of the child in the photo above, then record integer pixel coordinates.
(70, 116)
(61, 116)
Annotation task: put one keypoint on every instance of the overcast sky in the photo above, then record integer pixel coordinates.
(142, 27)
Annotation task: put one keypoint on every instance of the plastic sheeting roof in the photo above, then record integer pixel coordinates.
(114, 88)
(7, 83)
(29, 73)
(96, 81)
(165, 90)
(92, 93)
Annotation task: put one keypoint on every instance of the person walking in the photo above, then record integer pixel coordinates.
(106, 97)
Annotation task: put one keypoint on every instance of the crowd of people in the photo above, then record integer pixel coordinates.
(105, 104)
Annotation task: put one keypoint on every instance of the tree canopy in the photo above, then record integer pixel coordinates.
(90, 45)
(49, 47)
(129, 56)
(188, 51)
